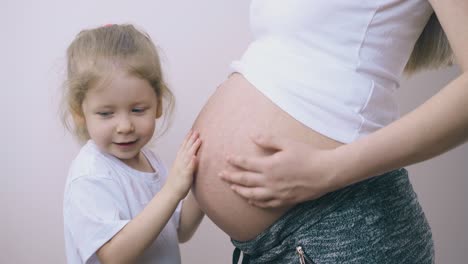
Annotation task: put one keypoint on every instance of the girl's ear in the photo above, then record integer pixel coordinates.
(79, 119)
(159, 110)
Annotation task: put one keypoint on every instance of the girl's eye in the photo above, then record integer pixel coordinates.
(104, 114)
(138, 110)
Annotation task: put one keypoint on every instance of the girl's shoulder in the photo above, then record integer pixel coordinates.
(155, 160)
(90, 161)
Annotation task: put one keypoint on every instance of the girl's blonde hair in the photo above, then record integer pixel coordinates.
(94, 54)
(432, 49)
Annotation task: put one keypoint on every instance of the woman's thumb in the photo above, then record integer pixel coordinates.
(270, 142)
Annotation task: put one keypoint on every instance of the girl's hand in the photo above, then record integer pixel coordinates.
(181, 175)
(294, 173)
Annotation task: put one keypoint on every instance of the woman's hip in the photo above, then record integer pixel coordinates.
(375, 221)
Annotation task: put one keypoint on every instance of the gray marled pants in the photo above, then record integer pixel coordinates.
(375, 221)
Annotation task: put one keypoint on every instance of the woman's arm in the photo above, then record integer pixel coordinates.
(130, 242)
(435, 127)
(190, 218)
(296, 172)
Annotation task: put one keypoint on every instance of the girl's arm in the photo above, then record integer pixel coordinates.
(130, 242)
(297, 172)
(190, 218)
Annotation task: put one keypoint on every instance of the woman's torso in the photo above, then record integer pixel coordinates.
(322, 72)
(234, 112)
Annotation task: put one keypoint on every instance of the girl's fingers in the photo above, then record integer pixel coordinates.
(192, 147)
(195, 146)
(191, 140)
(186, 139)
(192, 163)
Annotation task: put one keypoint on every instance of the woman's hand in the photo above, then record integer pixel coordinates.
(180, 177)
(295, 172)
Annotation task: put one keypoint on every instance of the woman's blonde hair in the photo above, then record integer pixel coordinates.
(92, 57)
(432, 49)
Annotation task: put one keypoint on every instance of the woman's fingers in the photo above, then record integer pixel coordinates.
(258, 196)
(266, 204)
(253, 194)
(269, 142)
(244, 163)
(243, 178)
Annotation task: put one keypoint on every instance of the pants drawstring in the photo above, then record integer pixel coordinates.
(236, 256)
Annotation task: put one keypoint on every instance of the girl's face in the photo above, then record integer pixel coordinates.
(121, 115)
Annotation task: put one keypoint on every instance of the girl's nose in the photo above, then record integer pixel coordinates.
(125, 126)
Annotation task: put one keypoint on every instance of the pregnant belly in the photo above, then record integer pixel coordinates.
(234, 112)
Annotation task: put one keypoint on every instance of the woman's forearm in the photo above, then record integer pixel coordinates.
(438, 125)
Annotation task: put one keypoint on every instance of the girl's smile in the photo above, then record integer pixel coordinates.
(127, 144)
(121, 115)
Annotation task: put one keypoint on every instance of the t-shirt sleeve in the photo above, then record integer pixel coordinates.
(163, 173)
(92, 213)
(177, 214)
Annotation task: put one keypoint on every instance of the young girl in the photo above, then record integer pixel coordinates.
(120, 203)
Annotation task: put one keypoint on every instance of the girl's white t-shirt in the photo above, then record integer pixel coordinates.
(102, 194)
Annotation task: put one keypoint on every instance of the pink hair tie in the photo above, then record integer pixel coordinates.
(108, 25)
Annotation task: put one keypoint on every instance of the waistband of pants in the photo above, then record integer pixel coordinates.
(306, 214)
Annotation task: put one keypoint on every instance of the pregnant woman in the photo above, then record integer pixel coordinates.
(324, 181)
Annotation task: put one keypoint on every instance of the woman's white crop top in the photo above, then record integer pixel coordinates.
(333, 65)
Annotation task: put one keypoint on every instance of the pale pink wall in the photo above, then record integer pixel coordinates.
(441, 183)
(198, 38)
